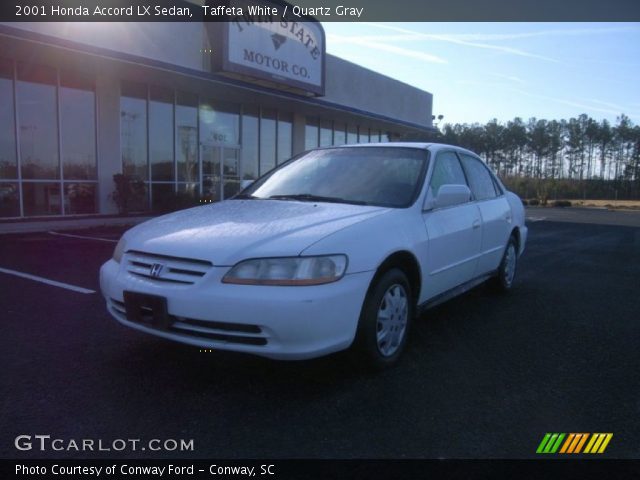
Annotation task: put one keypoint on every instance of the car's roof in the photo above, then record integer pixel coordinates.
(420, 145)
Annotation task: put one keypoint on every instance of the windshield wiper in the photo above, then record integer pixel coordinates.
(308, 197)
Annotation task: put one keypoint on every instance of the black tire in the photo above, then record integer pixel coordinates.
(505, 276)
(385, 296)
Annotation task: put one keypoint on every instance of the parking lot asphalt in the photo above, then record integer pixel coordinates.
(485, 375)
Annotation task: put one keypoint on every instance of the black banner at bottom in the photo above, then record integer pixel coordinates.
(316, 469)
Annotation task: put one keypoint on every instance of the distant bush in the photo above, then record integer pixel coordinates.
(534, 201)
(562, 203)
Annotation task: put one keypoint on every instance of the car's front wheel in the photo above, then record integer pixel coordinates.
(385, 319)
(506, 273)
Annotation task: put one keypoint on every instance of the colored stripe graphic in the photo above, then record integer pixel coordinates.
(598, 442)
(550, 443)
(574, 442)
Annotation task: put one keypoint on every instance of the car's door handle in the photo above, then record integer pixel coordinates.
(476, 224)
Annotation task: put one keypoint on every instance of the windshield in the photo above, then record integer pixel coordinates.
(383, 176)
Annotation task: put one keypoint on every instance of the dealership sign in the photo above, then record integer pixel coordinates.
(285, 50)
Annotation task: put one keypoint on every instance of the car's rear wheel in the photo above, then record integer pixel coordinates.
(506, 273)
(385, 319)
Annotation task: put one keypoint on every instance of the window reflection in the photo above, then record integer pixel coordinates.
(163, 197)
(9, 200)
(285, 137)
(41, 198)
(8, 162)
(38, 122)
(133, 130)
(326, 133)
(250, 143)
(339, 134)
(187, 137)
(267, 140)
(161, 134)
(352, 134)
(77, 127)
(80, 198)
(311, 134)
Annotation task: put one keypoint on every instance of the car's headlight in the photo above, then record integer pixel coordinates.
(119, 250)
(288, 271)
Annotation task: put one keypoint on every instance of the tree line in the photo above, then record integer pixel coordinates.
(581, 156)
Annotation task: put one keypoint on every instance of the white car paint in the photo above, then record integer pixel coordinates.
(452, 246)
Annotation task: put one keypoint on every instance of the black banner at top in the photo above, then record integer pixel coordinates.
(322, 10)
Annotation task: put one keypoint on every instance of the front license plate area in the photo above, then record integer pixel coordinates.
(150, 310)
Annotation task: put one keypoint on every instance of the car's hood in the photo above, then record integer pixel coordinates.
(227, 232)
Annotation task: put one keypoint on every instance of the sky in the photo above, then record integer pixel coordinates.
(480, 71)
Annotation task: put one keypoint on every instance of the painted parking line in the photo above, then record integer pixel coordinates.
(536, 219)
(110, 240)
(35, 278)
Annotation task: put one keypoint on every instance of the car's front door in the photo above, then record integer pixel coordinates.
(495, 212)
(454, 233)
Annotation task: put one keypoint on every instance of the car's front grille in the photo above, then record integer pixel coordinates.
(166, 269)
(225, 332)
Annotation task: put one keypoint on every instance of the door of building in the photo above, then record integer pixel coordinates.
(220, 176)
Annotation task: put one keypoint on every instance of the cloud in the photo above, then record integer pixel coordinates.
(511, 78)
(458, 40)
(405, 52)
(607, 107)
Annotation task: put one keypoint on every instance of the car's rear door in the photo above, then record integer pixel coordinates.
(494, 211)
(454, 233)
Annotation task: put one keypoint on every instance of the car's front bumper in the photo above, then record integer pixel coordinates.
(271, 321)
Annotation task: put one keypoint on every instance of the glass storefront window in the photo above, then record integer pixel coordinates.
(79, 198)
(161, 134)
(77, 127)
(133, 130)
(267, 140)
(8, 161)
(326, 133)
(285, 137)
(37, 111)
(339, 133)
(187, 192)
(363, 135)
(352, 134)
(9, 200)
(187, 137)
(219, 123)
(164, 199)
(311, 133)
(41, 198)
(250, 143)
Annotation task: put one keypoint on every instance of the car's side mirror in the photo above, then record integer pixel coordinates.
(245, 183)
(450, 195)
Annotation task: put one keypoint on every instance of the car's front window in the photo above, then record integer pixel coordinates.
(385, 176)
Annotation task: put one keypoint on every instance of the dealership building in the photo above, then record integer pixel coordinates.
(182, 110)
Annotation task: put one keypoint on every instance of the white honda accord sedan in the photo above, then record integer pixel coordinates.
(338, 247)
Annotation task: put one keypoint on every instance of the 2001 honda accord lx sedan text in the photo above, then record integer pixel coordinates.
(337, 247)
